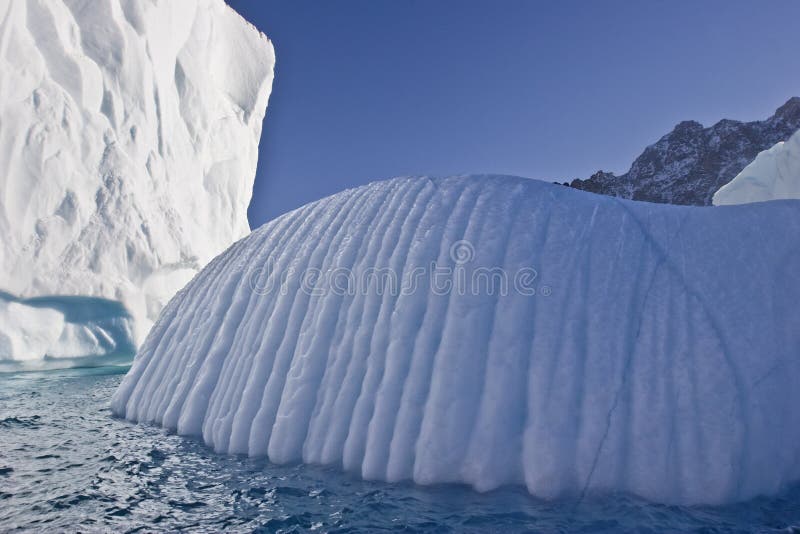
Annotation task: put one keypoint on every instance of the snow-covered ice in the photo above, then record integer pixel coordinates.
(129, 137)
(774, 174)
(638, 347)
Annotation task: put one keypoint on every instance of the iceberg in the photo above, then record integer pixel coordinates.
(46, 332)
(774, 174)
(129, 138)
(493, 330)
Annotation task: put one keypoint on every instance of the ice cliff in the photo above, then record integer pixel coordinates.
(129, 133)
(496, 330)
(774, 174)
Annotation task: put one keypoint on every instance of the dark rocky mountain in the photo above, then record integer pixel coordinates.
(689, 164)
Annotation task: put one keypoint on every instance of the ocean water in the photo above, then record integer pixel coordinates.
(67, 465)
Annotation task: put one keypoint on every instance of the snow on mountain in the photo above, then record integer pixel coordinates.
(129, 136)
(774, 174)
(496, 330)
(689, 164)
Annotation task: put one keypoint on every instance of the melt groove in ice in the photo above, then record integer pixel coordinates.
(658, 355)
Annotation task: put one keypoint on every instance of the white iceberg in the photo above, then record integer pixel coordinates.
(774, 174)
(129, 135)
(636, 347)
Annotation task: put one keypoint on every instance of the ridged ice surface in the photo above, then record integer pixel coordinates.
(638, 347)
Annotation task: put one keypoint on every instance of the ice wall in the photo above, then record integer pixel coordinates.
(129, 135)
(636, 347)
(774, 174)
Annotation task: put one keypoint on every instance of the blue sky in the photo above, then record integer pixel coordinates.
(370, 89)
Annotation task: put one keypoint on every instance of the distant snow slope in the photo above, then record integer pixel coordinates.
(129, 134)
(637, 347)
(774, 174)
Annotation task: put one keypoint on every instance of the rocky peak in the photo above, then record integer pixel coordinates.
(789, 112)
(689, 164)
(688, 126)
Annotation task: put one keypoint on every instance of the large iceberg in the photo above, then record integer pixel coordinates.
(129, 137)
(774, 174)
(496, 330)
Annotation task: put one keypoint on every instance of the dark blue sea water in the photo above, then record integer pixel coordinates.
(67, 465)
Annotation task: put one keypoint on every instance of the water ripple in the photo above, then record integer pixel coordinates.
(66, 464)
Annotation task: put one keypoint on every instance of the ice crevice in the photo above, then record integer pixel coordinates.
(740, 394)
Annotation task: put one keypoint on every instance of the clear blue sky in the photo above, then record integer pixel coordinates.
(371, 89)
